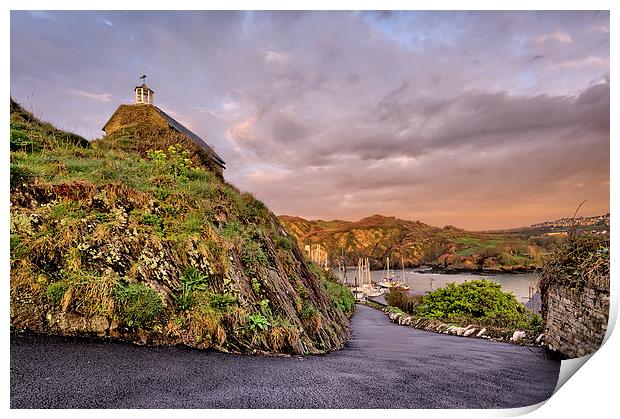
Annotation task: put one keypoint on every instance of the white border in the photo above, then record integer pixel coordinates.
(591, 393)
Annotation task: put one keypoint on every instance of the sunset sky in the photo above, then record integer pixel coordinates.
(476, 119)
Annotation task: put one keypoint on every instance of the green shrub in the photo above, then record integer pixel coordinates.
(19, 175)
(580, 260)
(257, 322)
(55, 291)
(395, 310)
(201, 175)
(256, 286)
(307, 310)
(252, 208)
(65, 209)
(321, 273)
(342, 297)
(400, 297)
(191, 280)
(153, 220)
(162, 193)
(194, 223)
(15, 245)
(222, 301)
(284, 243)
(480, 300)
(81, 166)
(253, 256)
(340, 294)
(232, 231)
(139, 304)
(21, 141)
(175, 161)
(536, 323)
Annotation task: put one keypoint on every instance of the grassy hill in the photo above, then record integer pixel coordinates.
(132, 237)
(378, 237)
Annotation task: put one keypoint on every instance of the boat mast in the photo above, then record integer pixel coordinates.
(326, 259)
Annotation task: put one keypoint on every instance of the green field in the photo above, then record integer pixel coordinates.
(475, 245)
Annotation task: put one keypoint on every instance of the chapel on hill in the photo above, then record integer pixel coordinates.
(143, 111)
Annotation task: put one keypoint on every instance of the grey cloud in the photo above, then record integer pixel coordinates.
(342, 114)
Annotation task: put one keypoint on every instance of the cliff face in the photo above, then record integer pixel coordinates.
(378, 237)
(109, 239)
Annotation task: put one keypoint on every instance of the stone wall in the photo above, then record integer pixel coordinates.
(575, 320)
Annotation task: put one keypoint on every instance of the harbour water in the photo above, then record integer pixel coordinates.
(517, 283)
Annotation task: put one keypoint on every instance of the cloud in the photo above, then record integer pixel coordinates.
(273, 55)
(106, 21)
(478, 119)
(39, 14)
(589, 61)
(557, 36)
(102, 97)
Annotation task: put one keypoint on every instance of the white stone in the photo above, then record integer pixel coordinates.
(517, 335)
(394, 317)
(459, 330)
(469, 332)
(540, 338)
(481, 332)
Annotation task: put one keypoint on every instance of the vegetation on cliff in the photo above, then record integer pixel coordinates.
(343, 297)
(131, 237)
(582, 260)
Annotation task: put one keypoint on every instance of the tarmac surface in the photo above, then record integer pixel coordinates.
(384, 365)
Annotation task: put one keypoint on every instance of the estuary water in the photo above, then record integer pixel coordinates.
(517, 283)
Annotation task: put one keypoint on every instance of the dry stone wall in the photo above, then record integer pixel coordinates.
(575, 319)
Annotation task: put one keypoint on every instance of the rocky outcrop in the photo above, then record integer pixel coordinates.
(114, 239)
(53, 250)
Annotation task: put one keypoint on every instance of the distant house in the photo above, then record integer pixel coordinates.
(144, 112)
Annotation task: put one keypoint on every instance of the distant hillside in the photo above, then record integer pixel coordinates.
(130, 237)
(596, 225)
(378, 237)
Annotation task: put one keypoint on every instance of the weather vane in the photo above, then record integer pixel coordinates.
(143, 78)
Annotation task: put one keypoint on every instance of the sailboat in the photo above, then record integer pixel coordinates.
(370, 290)
(389, 282)
(388, 278)
(403, 281)
(357, 279)
(363, 283)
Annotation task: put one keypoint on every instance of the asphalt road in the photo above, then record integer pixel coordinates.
(383, 366)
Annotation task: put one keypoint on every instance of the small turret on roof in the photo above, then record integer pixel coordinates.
(144, 94)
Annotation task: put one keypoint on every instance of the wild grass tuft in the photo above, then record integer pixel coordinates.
(139, 304)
